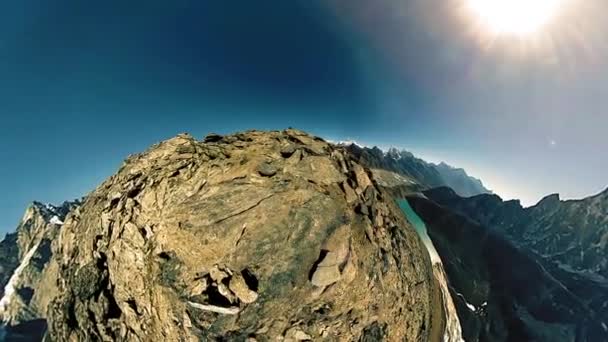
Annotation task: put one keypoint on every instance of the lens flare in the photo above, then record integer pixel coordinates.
(518, 17)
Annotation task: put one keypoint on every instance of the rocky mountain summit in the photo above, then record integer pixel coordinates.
(251, 236)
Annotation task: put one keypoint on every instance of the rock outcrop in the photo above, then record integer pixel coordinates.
(28, 273)
(252, 236)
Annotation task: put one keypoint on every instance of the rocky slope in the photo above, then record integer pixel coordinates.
(503, 293)
(570, 238)
(573, 233)
(27, 272)
(406, 174)
(453, 330)
(257, 235)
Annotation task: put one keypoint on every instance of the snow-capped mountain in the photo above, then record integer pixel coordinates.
(27, 273)
(422, 175)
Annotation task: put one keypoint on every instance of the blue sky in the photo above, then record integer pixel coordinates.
(85, 84)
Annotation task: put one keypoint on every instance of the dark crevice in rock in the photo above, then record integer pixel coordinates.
(170, 272)
(72, 322)
(133, 192)
(178, 171)
(322, 310)
(243, 211)
(113, 310)
(43, 255)
(101, 261)
(241, 235)
(385, 260)
(288, 151)
(214, 297)
(92, 317)
(250, 279)
(97, 239)
(114, 202)
(362, 209)
(26, 294)
(342, 265)
(133, 305)
(143, 233)
(295, 140)
(105, 289)
(322, 256)
(164, 255)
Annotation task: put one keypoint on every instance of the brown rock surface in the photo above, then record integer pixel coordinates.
(196, 241)
(28, 271)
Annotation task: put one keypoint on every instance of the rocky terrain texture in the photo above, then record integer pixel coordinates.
(503, 293)
(262, 236)
(571, 233)
(253, 236)
(570, 238)
(27, 272)
(414, 174)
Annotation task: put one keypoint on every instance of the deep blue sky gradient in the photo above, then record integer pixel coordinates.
(84, 84)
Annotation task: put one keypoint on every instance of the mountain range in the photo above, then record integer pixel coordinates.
(414, 173)
(505, 292)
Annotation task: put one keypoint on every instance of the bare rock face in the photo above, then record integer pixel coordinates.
(253, 236)
(28, 273)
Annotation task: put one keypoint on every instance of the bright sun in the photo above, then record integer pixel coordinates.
(518, 17)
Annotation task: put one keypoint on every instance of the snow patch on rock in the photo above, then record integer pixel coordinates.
(56, 220)
(10, 288)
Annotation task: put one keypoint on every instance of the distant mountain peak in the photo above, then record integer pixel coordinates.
(51, 212)
(446, 165)
(550, 200)
(426, 175)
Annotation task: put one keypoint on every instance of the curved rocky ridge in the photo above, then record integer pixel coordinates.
(257, 235)
(504, 293)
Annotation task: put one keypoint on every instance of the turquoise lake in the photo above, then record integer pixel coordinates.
(420, 227)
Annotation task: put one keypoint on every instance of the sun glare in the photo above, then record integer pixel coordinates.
(518, 17)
